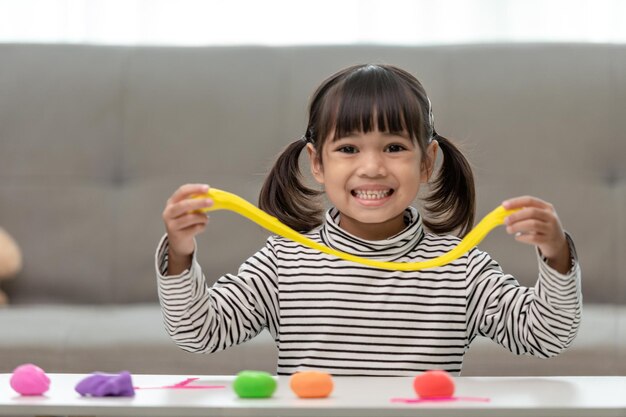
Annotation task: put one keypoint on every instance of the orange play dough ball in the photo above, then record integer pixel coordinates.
(311, 384)
(434, 384)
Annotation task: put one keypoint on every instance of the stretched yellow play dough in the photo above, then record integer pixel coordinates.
(223, 200)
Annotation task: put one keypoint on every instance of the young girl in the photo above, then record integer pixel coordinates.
(372, 144)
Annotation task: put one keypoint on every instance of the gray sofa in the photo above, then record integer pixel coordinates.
(94, 139)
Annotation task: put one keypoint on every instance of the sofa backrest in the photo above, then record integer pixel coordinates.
(94, 139)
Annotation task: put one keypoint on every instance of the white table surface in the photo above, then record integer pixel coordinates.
(352, 396)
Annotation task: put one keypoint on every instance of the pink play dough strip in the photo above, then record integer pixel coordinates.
(185, 385)
(440, 400)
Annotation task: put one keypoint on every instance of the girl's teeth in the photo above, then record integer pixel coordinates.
(371, 195)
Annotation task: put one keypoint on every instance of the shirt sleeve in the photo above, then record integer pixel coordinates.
(539, 321)
(236, 308)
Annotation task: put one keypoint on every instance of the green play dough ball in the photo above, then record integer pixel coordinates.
(254, 384)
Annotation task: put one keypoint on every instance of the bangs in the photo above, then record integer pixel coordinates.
(372, 98)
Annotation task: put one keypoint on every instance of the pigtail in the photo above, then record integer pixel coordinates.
(285, 197)
(452, 203)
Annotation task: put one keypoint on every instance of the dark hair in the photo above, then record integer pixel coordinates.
(363, 98)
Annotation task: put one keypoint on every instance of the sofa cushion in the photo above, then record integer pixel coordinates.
(115, 338)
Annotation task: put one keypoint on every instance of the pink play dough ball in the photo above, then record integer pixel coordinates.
(29, 379)
(434, 384)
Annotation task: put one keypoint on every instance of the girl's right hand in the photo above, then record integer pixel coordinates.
(183, 221)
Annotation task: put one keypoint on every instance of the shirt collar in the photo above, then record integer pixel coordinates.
(388, 249)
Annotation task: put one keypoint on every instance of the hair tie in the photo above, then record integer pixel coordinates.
(431, 122)
(308, 136)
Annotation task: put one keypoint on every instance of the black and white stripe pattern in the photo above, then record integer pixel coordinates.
(349, 319)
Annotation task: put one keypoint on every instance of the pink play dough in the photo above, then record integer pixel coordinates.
(29, 379)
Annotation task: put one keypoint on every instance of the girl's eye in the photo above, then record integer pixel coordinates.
(395, 148)
(347, 149)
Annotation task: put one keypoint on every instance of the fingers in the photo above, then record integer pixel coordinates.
(530, 238)
(183, 217)
(188, 190)
(185, 224)
(526, 201)
(534, 215)
(188, 221)
(181, 203)
(182, 212)
(530, 231)
(184, 207)
(538, 215)
(536, 222)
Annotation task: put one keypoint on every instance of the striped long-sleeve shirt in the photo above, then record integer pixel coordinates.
(344, 318)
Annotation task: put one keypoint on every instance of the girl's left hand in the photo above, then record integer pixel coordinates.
(538, 224)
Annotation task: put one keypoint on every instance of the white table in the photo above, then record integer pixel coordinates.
(509, 397)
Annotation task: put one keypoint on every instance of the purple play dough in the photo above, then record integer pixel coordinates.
(106, 385)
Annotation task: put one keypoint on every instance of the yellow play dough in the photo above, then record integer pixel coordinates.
(223, 200)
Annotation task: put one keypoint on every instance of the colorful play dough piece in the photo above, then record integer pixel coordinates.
(29, 379)
(106, 385)
(254, 384)
(311, 384)
(434, 384)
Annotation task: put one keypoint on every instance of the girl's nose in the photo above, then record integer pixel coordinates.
(372, 165)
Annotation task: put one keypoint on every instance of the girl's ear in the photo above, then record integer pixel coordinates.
(429, 163)
(315, 163)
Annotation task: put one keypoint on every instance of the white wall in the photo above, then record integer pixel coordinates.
(284, 22)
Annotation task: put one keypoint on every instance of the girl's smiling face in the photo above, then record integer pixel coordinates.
(371, 178)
